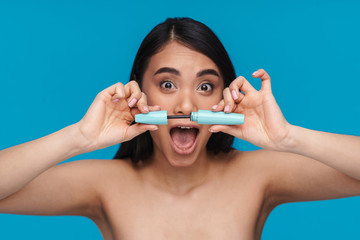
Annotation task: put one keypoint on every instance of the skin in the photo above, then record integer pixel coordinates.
(174, 196)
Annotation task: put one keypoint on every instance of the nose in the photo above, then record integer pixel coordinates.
(185, 104)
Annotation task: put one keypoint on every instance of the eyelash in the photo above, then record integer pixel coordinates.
(210, 84)
(162, 85)
(164, 82)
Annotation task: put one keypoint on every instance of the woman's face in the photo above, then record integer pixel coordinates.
(181, 81)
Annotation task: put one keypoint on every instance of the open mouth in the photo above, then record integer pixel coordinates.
(184, 138)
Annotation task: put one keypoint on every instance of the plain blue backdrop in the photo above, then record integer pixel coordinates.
(55, 56)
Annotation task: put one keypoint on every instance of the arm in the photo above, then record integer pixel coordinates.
(266, 127)
(293, 178)
(314, 166)
(341, 152)
(27, 171)
(22, 163)
(65, 189)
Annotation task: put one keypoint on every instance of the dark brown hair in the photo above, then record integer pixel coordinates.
(196, 36)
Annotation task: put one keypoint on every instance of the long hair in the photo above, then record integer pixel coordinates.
(194, 35)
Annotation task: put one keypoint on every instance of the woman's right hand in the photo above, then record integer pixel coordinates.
(107, 121)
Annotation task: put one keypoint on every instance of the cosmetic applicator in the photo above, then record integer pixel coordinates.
(201, 117)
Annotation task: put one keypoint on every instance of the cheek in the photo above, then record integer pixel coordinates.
(156, 97)
(206, 102)
(151, 97)
(164, 101)
(151, 101)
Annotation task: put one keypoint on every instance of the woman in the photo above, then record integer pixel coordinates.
(182, 180)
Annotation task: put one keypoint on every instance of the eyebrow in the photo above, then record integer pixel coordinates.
(207, 72)
(167, 70)
(176, 72)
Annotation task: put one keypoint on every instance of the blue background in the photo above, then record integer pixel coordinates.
(55, 56)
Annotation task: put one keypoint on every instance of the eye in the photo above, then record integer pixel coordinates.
(206, 87)
(167, 85)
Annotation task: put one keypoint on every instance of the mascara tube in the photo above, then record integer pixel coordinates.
(201, 117)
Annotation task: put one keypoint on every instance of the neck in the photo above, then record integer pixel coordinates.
(180, 180)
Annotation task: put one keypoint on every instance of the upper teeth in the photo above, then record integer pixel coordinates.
(185, 127)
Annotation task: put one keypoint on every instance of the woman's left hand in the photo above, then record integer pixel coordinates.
(265, 125)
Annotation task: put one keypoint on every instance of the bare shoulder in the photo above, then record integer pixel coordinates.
(106, 164)
(104, 177)
(104, 170)
(97, 168)
(291, 177)
(258, 160)
(100, 175)
(266, 160)
(251, 166)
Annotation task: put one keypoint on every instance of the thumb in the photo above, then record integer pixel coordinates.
(137, 129)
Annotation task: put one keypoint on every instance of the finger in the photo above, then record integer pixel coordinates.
(137, 129)
(154, 108)
(240, 83)
(265, 79)
(229, 129)
(235, 91)
(236, 94)
(115, 91)
(135, 111)
(119, 92)
(132, 93)
(142, 104)
(228, 100)
(219, 106)
(112, 89)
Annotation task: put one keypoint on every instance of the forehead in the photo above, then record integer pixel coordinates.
(178, 56)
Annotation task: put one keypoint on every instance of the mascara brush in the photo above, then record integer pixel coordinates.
(201, 117)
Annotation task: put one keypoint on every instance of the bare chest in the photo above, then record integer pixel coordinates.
(211, 213)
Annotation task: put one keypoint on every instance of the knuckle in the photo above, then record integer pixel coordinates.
(137, 94)
(143, 95)
(228, 99)
(239, 80)
(142, 98)
(120, 92)
(119, 85)
(134, 83)
(102, 95)
(233, 85)
(134, 90)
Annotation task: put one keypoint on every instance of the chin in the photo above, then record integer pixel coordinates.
(181, 143)
(182, 161)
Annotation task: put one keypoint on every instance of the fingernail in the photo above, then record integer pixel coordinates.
(132, 102)
(213, 131)
(146, 109)
(115, 100)
(255, 73)
(233, 93)
(214, 107)
(227, 108)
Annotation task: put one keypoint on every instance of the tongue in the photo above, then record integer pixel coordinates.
(183, 138)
